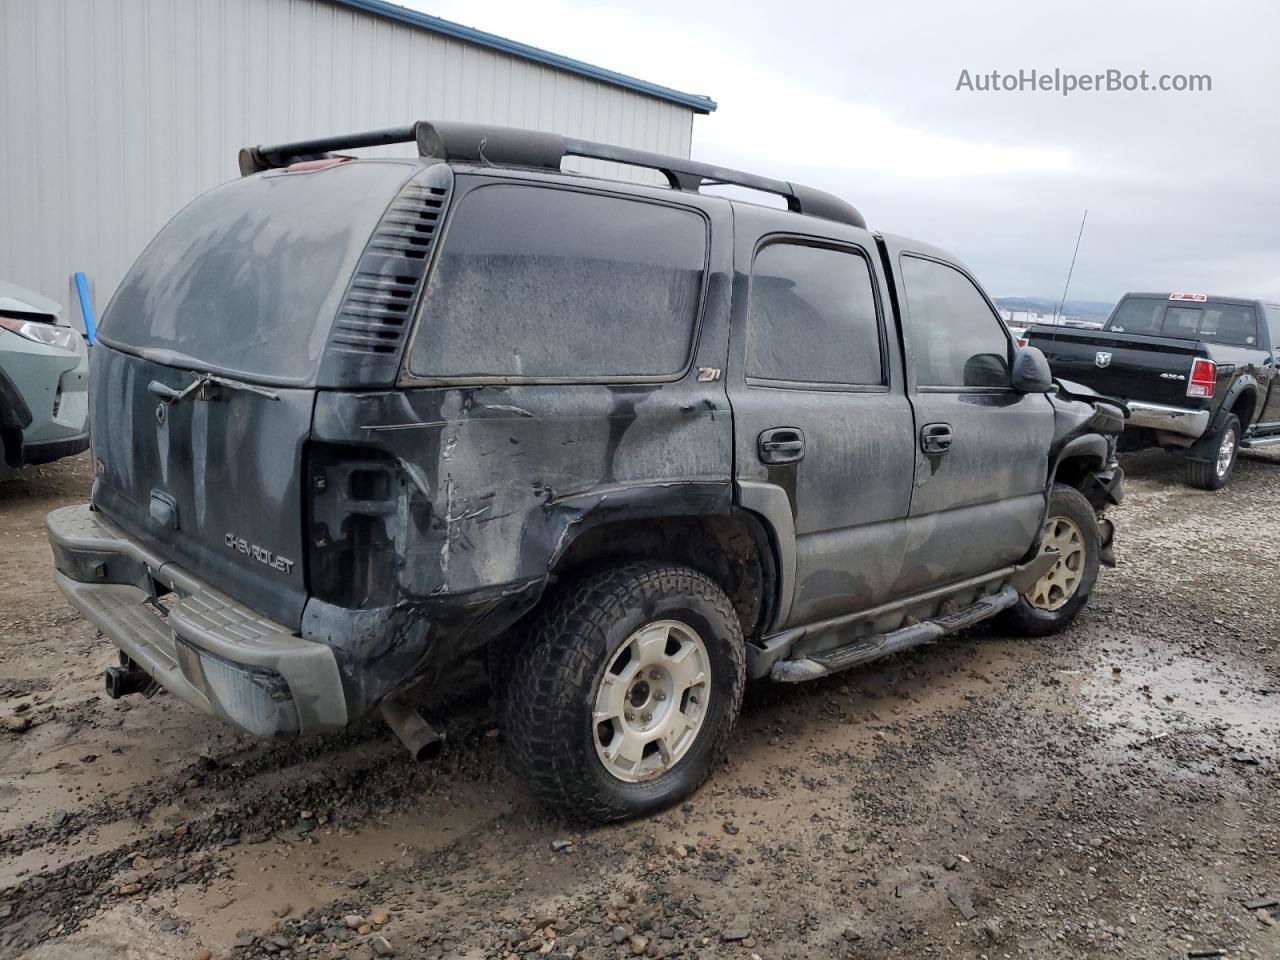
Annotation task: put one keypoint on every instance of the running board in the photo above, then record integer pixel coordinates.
(1268, 440)
(866, 649)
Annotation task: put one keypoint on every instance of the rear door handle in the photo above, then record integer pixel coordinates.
(781, 445)
(935, 437)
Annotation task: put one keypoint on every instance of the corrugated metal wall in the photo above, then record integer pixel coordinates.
(115, 113)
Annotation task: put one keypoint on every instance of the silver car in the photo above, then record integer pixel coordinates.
(44, 378)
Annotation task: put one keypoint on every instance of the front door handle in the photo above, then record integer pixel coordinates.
(781, 445)
(935, 437)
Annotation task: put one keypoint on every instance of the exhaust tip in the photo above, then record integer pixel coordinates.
(429, 750)
(420, 738)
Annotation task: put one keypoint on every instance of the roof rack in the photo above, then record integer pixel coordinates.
(512, 146)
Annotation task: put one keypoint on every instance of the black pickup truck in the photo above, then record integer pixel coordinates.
(1197, 372)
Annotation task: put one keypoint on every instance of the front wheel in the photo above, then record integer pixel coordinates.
(623, 699)
(1053, 601)
(1216, 456)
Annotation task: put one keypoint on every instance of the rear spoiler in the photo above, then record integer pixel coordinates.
(511, 146)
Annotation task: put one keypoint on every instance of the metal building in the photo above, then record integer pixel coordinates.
(115, 113)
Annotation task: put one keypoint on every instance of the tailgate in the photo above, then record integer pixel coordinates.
(212, 483)
(1127, 366)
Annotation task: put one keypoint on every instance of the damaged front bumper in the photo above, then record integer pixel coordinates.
(205, 648)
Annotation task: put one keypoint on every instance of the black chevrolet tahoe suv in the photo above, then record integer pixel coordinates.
(1197, 373)
(357, 420)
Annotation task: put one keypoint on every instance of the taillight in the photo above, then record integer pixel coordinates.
(1022, 342)
(1204, 376)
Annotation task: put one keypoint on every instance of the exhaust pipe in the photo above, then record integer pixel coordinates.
(126, 680)
(421, 739)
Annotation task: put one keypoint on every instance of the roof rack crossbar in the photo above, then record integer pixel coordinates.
(257, 159)
(512, 146)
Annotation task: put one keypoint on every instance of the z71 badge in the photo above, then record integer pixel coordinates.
(261, 554)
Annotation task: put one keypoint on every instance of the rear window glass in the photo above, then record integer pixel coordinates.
(1138, 316)
(558, 284)
(247, 278)
(813, 317)
(1230, 323)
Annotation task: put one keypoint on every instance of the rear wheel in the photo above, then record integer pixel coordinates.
(1216, 456)
(1053, 601)
(622, 701)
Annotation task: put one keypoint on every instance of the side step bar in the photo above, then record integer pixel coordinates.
(1266, 440)
(866, 649)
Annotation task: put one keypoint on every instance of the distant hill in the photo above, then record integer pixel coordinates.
(1072, 308)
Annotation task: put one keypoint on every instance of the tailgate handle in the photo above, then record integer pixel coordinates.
(935, 437)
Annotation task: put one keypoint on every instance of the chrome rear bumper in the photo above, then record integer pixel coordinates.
(1157, 416)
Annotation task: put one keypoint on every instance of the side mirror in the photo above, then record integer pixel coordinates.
(1031, 372)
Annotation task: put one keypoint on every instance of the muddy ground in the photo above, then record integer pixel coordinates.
(1114, 791)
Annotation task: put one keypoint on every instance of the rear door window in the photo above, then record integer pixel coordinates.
(956, 338)
(813, 317)
(553, 284)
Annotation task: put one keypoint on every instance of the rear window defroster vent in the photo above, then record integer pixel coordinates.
(377, 309)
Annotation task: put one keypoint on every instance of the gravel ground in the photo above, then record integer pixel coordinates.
(1114, 791)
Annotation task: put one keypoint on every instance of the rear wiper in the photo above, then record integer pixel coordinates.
(169, 395)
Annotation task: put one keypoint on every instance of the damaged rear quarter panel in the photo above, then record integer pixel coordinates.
(494, 481)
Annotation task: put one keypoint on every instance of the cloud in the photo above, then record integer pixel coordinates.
(861, 100)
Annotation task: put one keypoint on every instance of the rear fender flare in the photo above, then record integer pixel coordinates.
(563, 521)
(1245, 384)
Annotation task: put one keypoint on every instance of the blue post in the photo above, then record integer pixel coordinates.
(86, 308)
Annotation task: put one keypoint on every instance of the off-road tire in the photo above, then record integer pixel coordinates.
(1202, 464)
(552, 680)
(1024, 619)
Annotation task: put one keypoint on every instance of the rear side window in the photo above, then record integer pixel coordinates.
(956, 339)
(534, 282)
(813, 317)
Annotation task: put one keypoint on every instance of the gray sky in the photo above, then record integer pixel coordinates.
(860, 99)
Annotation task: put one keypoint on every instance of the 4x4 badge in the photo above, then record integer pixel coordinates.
(1102, 358)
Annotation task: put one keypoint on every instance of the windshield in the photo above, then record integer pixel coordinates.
(1235, 324)
(247, 278)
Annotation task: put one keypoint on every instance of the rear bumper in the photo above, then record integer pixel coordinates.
(46, 451)
(1179, 420)
(218, 655)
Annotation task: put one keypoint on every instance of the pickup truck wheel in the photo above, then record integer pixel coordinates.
(1053, 601)
(623, 698)
(1219, 451)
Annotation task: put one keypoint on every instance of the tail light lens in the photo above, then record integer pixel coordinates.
(1022, 342)
(1204, 376)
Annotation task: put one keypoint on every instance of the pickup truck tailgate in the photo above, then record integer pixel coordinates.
(1130, 367)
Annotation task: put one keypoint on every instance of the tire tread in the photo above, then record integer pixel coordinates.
(552, 673)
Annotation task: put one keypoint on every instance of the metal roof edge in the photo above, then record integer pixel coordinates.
(414, 18)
